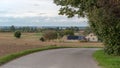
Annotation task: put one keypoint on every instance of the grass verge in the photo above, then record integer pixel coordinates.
(107, 61)
(10, 57)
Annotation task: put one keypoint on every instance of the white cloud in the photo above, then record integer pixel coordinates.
(21, 8)
(31, 11)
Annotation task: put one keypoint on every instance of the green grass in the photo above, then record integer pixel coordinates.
(107, 61)
(10, 57)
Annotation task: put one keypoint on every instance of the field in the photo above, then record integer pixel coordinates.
(9, 44)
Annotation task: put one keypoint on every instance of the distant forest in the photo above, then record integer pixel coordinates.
(37, 29)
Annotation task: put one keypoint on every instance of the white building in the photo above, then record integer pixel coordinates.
(92, 37)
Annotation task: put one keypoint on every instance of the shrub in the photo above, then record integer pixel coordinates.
(50, 35)
(17, 34)
(42, 39)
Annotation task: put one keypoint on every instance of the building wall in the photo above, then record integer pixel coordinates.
(92, 38)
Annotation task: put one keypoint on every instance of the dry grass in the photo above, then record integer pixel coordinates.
(9, 44)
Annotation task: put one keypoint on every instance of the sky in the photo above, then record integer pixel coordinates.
(35, 13)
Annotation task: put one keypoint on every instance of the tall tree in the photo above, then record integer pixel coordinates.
(104, 19)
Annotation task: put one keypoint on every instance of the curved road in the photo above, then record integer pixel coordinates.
(58, 58)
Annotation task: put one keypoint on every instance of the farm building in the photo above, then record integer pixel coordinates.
(92, 37)
(76, 38)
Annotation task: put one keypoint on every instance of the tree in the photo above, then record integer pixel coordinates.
(68, 32)
(17, 34)
(60, 34)
(50, 35)
(104, 19)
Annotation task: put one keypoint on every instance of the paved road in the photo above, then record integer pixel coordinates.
(58, 58)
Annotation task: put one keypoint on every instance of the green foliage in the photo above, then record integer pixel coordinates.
(17, 34)
(50, 35)
(104, 19)
(107, 27)
(42, 39)
(68, 32)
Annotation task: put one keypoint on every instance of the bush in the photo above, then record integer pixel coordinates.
(42, 39)
(17, 34)
(68, 32)
(50, 35)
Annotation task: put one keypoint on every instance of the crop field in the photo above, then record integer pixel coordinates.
(9, 44)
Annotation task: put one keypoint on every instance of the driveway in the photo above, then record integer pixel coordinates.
(57, 58)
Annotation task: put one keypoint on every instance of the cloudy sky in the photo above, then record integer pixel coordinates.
(34, 13)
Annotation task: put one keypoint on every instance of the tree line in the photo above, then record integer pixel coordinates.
(22, 29)
(37, 29)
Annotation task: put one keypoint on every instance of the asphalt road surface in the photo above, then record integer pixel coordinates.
(57, 58)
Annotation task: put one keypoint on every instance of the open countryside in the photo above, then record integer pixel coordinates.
(59, 33)
(9, 44)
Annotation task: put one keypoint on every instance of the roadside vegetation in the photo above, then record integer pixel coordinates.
(107, 61)
(103, 18)
(10, 57)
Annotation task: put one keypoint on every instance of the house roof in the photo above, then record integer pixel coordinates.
(75, 37)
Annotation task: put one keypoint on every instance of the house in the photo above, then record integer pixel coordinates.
(92, 37)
